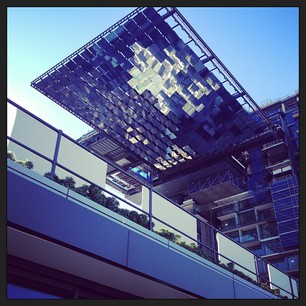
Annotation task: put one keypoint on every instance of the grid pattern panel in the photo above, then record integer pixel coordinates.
(145, 87)
(286, 200)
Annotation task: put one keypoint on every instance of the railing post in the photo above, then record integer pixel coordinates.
(56, 150)
(291, 287)
(150, 209)
(213, 243)
(257, 269)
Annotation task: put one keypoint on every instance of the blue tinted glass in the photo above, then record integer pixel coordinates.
(119, 31)
(103, 44)
(111, 37)
(79, 60)
(120, 45)
(154, 34)
(161, 56)
(162, 42)
(94, 49)
(95, 62)
(128, 53)
(140, 19)
(71, 65)
(156, 19)
(149, 12)
(173, 38)
(164, 28)
(79, 71)
(131, 26)
(86, 54)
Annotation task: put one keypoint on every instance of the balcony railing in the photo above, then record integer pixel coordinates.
(216, 180)
(211, 246)
(273, 143)
(226, 210)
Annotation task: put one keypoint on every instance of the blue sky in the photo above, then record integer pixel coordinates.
(259, 45)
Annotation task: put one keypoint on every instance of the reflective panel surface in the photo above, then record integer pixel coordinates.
(146, 88)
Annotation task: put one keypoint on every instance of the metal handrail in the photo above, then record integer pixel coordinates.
(151, 216)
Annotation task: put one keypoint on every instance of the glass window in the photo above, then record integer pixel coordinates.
(290, 239)
(247, 218)
(271, 247)
(140, 19)
(257, 250)
(280, 264)
(234, 235)
(228, 224)
(245, 204)
(149, 12)
(249, 235)
(292, 262)
(268, 230)
(111, 37)
(288, 226)
(102, 43)
(71, 65)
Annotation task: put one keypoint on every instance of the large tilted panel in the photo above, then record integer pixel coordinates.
(145, 87)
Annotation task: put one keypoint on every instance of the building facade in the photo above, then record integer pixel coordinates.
(264, 216)
(166, 110)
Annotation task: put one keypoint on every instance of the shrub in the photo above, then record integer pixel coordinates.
(11, 156)
(96, 194)
(26, 163)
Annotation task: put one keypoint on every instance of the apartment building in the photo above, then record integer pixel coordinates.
(164, 108)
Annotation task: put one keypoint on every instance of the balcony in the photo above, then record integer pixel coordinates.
(226, 211)
(279, 143)
(220, 186)
(53, 225)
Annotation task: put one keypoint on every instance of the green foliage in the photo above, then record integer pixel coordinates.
(26, 163)
(169, 235)
(176, 239)
(11, 156)
(230, 266)
(96, 194)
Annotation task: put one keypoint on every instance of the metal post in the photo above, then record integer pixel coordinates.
(257, 269)
(150, 210)
(54, 162)
(291, 287)
(289, 143)
(213, 244)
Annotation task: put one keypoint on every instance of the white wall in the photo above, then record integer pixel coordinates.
(169, 213)
(230, 249)
(41, 138)
(35, 135)
(282, 280)
(11, 116)
(74, 157)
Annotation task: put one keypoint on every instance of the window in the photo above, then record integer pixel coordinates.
(249, 235)
(292, 262)
(247, 218)
(268, 230)
(257, 250)
(228, 224)
(271, 247)
(234, 236)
